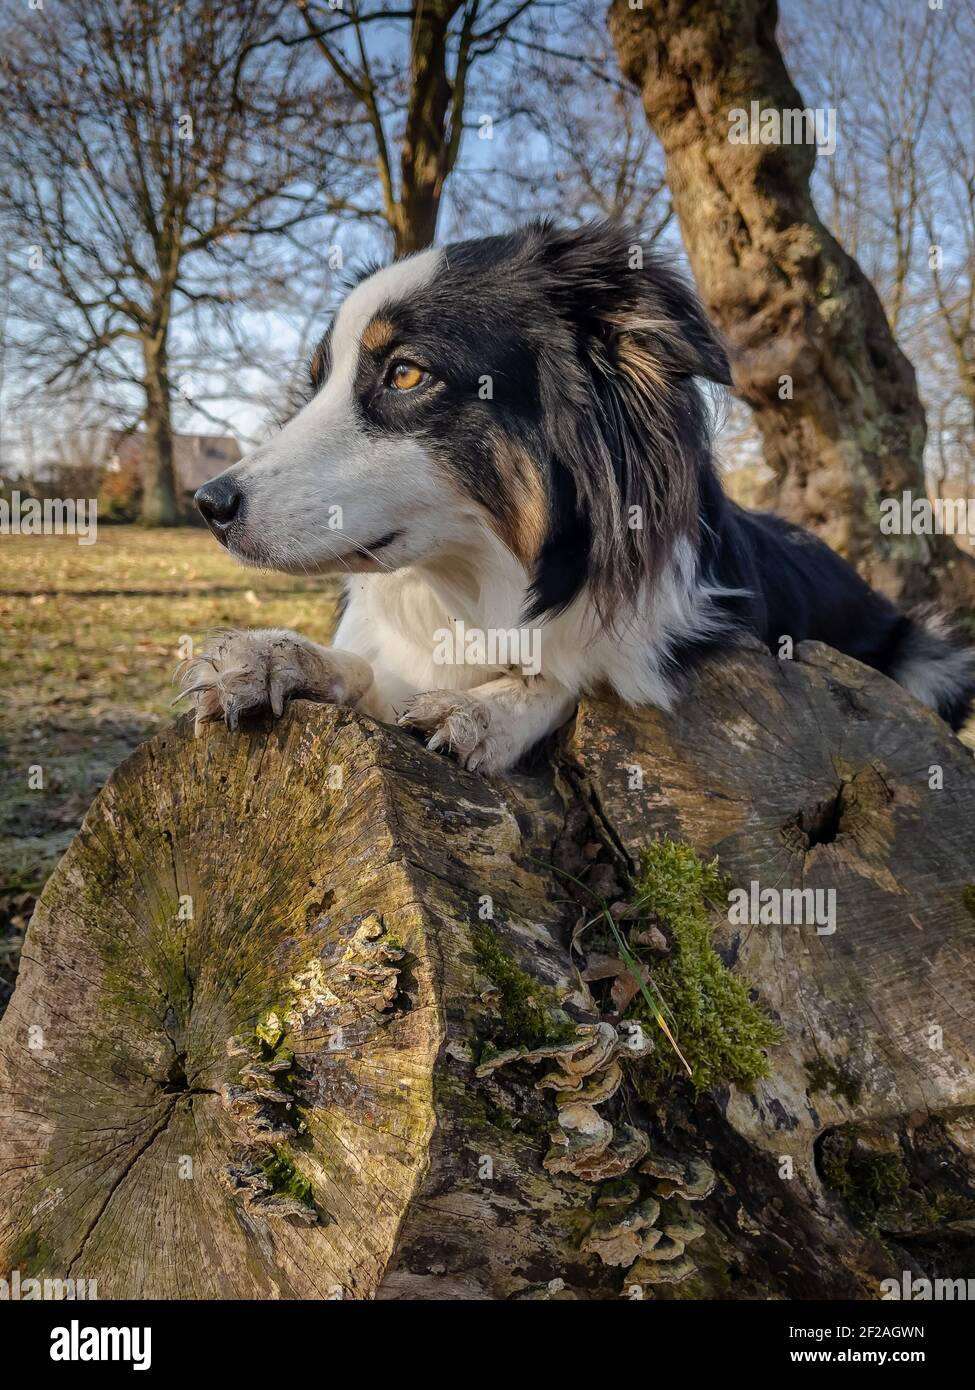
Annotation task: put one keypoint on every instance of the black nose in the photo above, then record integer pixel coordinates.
(219, 502)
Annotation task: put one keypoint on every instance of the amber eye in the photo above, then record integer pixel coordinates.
(405, 376)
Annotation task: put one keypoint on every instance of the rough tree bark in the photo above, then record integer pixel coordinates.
(789, 300)
(434, 122)
(300, 1013)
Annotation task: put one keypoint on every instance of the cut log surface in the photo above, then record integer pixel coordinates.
(817, 774)
(245, 1057)
(222, 886)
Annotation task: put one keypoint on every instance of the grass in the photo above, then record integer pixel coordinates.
(89, 640)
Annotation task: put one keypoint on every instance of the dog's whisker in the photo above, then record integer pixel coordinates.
(192, 690)
(364, 549)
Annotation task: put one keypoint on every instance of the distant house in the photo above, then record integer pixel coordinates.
(196, 458)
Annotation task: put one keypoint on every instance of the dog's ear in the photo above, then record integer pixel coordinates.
(609, 284)
(629, 431)
(696, 347)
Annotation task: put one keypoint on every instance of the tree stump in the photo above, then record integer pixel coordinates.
(302, 1012)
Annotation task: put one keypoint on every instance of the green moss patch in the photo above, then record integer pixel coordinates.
(527, 1014)
(721, 1032)
(869, 1183)
(968, 898)
(837, 1080)
(285, 1179)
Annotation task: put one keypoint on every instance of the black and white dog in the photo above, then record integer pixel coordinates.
(505, 437)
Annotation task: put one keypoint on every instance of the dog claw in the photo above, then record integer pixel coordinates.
(193, 690)
(240, 675)
(232, 711)
(454, 723)
(277, 695)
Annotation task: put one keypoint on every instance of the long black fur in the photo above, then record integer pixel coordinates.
(657, 452)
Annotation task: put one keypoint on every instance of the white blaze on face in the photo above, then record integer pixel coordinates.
(322, 486)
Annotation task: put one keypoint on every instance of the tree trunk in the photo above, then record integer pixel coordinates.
(300, 1012)
(158, 473)
(425, 154)
(834, 398)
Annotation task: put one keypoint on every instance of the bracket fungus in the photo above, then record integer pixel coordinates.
(587, 1074)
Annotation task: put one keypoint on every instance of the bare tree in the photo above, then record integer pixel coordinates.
(878, 65)
(901, 194)
(148, 150)
(948, 201)
(438, 43)
(568, 136)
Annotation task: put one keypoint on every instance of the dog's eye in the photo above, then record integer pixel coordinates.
(405, 376)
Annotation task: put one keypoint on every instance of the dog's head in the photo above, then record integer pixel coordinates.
(539, 384)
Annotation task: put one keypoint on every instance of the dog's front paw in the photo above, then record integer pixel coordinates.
(249, 673)
(461, 725)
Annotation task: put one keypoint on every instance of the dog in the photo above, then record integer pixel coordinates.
(506, 438)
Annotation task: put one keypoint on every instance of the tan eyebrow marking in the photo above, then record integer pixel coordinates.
(377, 335)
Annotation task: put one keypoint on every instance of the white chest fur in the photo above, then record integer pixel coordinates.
(397, 622)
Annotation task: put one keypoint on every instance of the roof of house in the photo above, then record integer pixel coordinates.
(196, 457)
